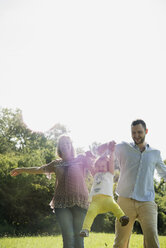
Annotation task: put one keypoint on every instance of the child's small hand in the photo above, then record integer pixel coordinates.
(89, 155)
(111, 146)
(101, 149)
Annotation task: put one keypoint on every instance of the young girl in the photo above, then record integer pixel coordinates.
(102, 192)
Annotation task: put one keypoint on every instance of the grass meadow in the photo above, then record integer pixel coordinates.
(95, 240)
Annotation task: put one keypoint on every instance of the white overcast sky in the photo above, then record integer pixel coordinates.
(93, 66)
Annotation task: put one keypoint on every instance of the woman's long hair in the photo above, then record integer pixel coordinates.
(61, 140)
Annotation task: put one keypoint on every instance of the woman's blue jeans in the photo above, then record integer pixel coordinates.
(71, 221)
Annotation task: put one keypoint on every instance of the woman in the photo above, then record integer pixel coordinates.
(70, 200)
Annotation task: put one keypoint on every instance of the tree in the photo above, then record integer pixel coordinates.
(11, 130)
(160, 199)
(54, 132)
(24, 204)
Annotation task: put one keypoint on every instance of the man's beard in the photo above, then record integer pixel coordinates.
(141, 141)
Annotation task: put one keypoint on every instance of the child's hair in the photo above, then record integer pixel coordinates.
(101, 159)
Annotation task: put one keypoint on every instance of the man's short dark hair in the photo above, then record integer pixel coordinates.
(137, 122)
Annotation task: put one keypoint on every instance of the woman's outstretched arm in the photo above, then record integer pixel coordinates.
(29, 170)
(44, 169)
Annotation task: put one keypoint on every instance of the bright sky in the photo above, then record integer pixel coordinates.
(93, 66)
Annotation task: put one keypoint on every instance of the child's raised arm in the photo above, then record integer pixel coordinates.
(111, 163)
(111, 147)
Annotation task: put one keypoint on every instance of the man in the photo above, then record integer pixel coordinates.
(135, 189)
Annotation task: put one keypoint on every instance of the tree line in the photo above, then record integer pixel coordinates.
(24, 200)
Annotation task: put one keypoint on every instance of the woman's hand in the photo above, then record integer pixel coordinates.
(16, 172)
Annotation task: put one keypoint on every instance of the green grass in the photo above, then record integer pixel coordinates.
(96, 240)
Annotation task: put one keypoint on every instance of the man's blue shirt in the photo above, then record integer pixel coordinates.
(137, 168)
